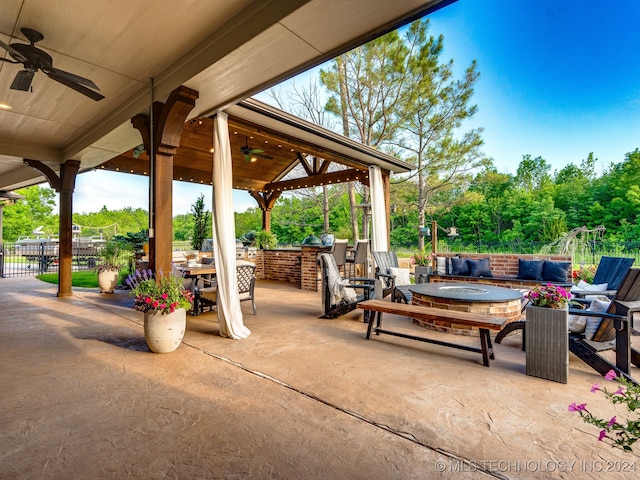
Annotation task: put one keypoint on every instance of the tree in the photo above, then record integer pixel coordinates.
(201, 223)
(435, 107)
(35, 210)
(366, 89)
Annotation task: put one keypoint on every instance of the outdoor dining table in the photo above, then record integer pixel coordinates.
(195, 272)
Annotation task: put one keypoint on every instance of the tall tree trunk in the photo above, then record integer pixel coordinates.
(325, 208)
(344, 107)
(421, 209)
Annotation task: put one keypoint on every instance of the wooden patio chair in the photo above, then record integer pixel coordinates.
(384, 262)
(612, 333)
(339, 294)
(611, 270)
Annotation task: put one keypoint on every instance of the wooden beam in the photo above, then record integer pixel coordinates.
(341, 176)
(68, 173)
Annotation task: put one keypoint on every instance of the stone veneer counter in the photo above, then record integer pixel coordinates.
(466, 297)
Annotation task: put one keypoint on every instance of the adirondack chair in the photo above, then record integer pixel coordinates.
(611, 270)
(339, 294)
(385, 261)
(612, 333)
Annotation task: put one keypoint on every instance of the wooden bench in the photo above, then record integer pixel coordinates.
(483, 322)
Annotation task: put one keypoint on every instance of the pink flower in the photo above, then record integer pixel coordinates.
(147, 299)
(155, 303)
(620, 391)
(611, 422)
(595, 387)
(611, 374)
(603, 433)
(577, 408)
(164, 296)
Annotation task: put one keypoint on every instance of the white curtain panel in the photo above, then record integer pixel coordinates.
(224, 233)
(378, 210)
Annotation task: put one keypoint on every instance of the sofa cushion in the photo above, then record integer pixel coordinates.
(555, 271)
(530, 269)
(459, 266)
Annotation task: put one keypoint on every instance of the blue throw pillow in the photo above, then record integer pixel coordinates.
(479, 268)
(459, 266)
(530, 269)
(555, 271)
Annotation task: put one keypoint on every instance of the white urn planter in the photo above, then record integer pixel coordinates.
(108, 280)
(164, 331)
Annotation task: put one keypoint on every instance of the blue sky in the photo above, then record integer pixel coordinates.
(558, 79)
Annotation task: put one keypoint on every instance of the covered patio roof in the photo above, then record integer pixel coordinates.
(302, 153)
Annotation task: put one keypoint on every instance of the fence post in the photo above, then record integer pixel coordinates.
(1, 260)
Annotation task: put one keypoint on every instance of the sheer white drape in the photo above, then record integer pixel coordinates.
(378, 210)
(229, 312)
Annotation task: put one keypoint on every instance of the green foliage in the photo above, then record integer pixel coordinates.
(266, 240)
(111, 255)
(163, 294)
(201, 223)
(35, 210)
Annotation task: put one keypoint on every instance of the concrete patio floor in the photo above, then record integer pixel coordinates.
(302, 397)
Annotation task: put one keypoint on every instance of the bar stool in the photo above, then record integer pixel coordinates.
(339, 251)
(360, 256)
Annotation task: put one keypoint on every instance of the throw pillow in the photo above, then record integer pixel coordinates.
(577, 324)
(555, 271)
(441, 265)
(459, 266)
(401, 274)
(583, 286)
(593, 323)
(530, 269)
(479, 268)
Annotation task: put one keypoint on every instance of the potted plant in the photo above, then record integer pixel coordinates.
(164, 301)
(423, 265)
(266, 240)
(547, 333)
(109, 270)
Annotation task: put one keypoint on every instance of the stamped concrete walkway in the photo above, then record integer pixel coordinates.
(301, 398)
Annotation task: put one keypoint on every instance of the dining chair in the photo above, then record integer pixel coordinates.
(339, 252)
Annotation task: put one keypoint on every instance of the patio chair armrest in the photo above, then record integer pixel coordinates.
(591, 313)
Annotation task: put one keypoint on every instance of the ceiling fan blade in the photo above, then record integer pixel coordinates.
(76, 86)
(247, 158)
(75, 78)
(22, 81)
(257, 150)
(13, 52)
(261, 155)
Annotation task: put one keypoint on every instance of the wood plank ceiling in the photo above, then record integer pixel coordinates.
(294, 164)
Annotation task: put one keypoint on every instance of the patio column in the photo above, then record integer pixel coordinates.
(266, 201)
(64, 185)
(380, 209)
(165, 127)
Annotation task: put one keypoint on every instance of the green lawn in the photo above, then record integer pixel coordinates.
(85, 278)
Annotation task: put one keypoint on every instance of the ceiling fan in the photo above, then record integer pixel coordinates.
(34, 59)
(252, 154)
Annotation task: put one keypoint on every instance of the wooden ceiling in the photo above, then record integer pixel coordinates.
(295, 163)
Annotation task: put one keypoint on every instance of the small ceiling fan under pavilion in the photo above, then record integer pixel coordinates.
(252, 154)
(33, 59)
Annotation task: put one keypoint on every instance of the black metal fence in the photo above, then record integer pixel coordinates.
(34, 258)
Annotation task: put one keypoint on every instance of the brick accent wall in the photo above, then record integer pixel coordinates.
(282, 265)
(505, 267)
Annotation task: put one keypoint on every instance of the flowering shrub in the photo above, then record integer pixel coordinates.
(618, 434)
(549, 296)
(584, 273)
(422, 258)
(164, 294)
